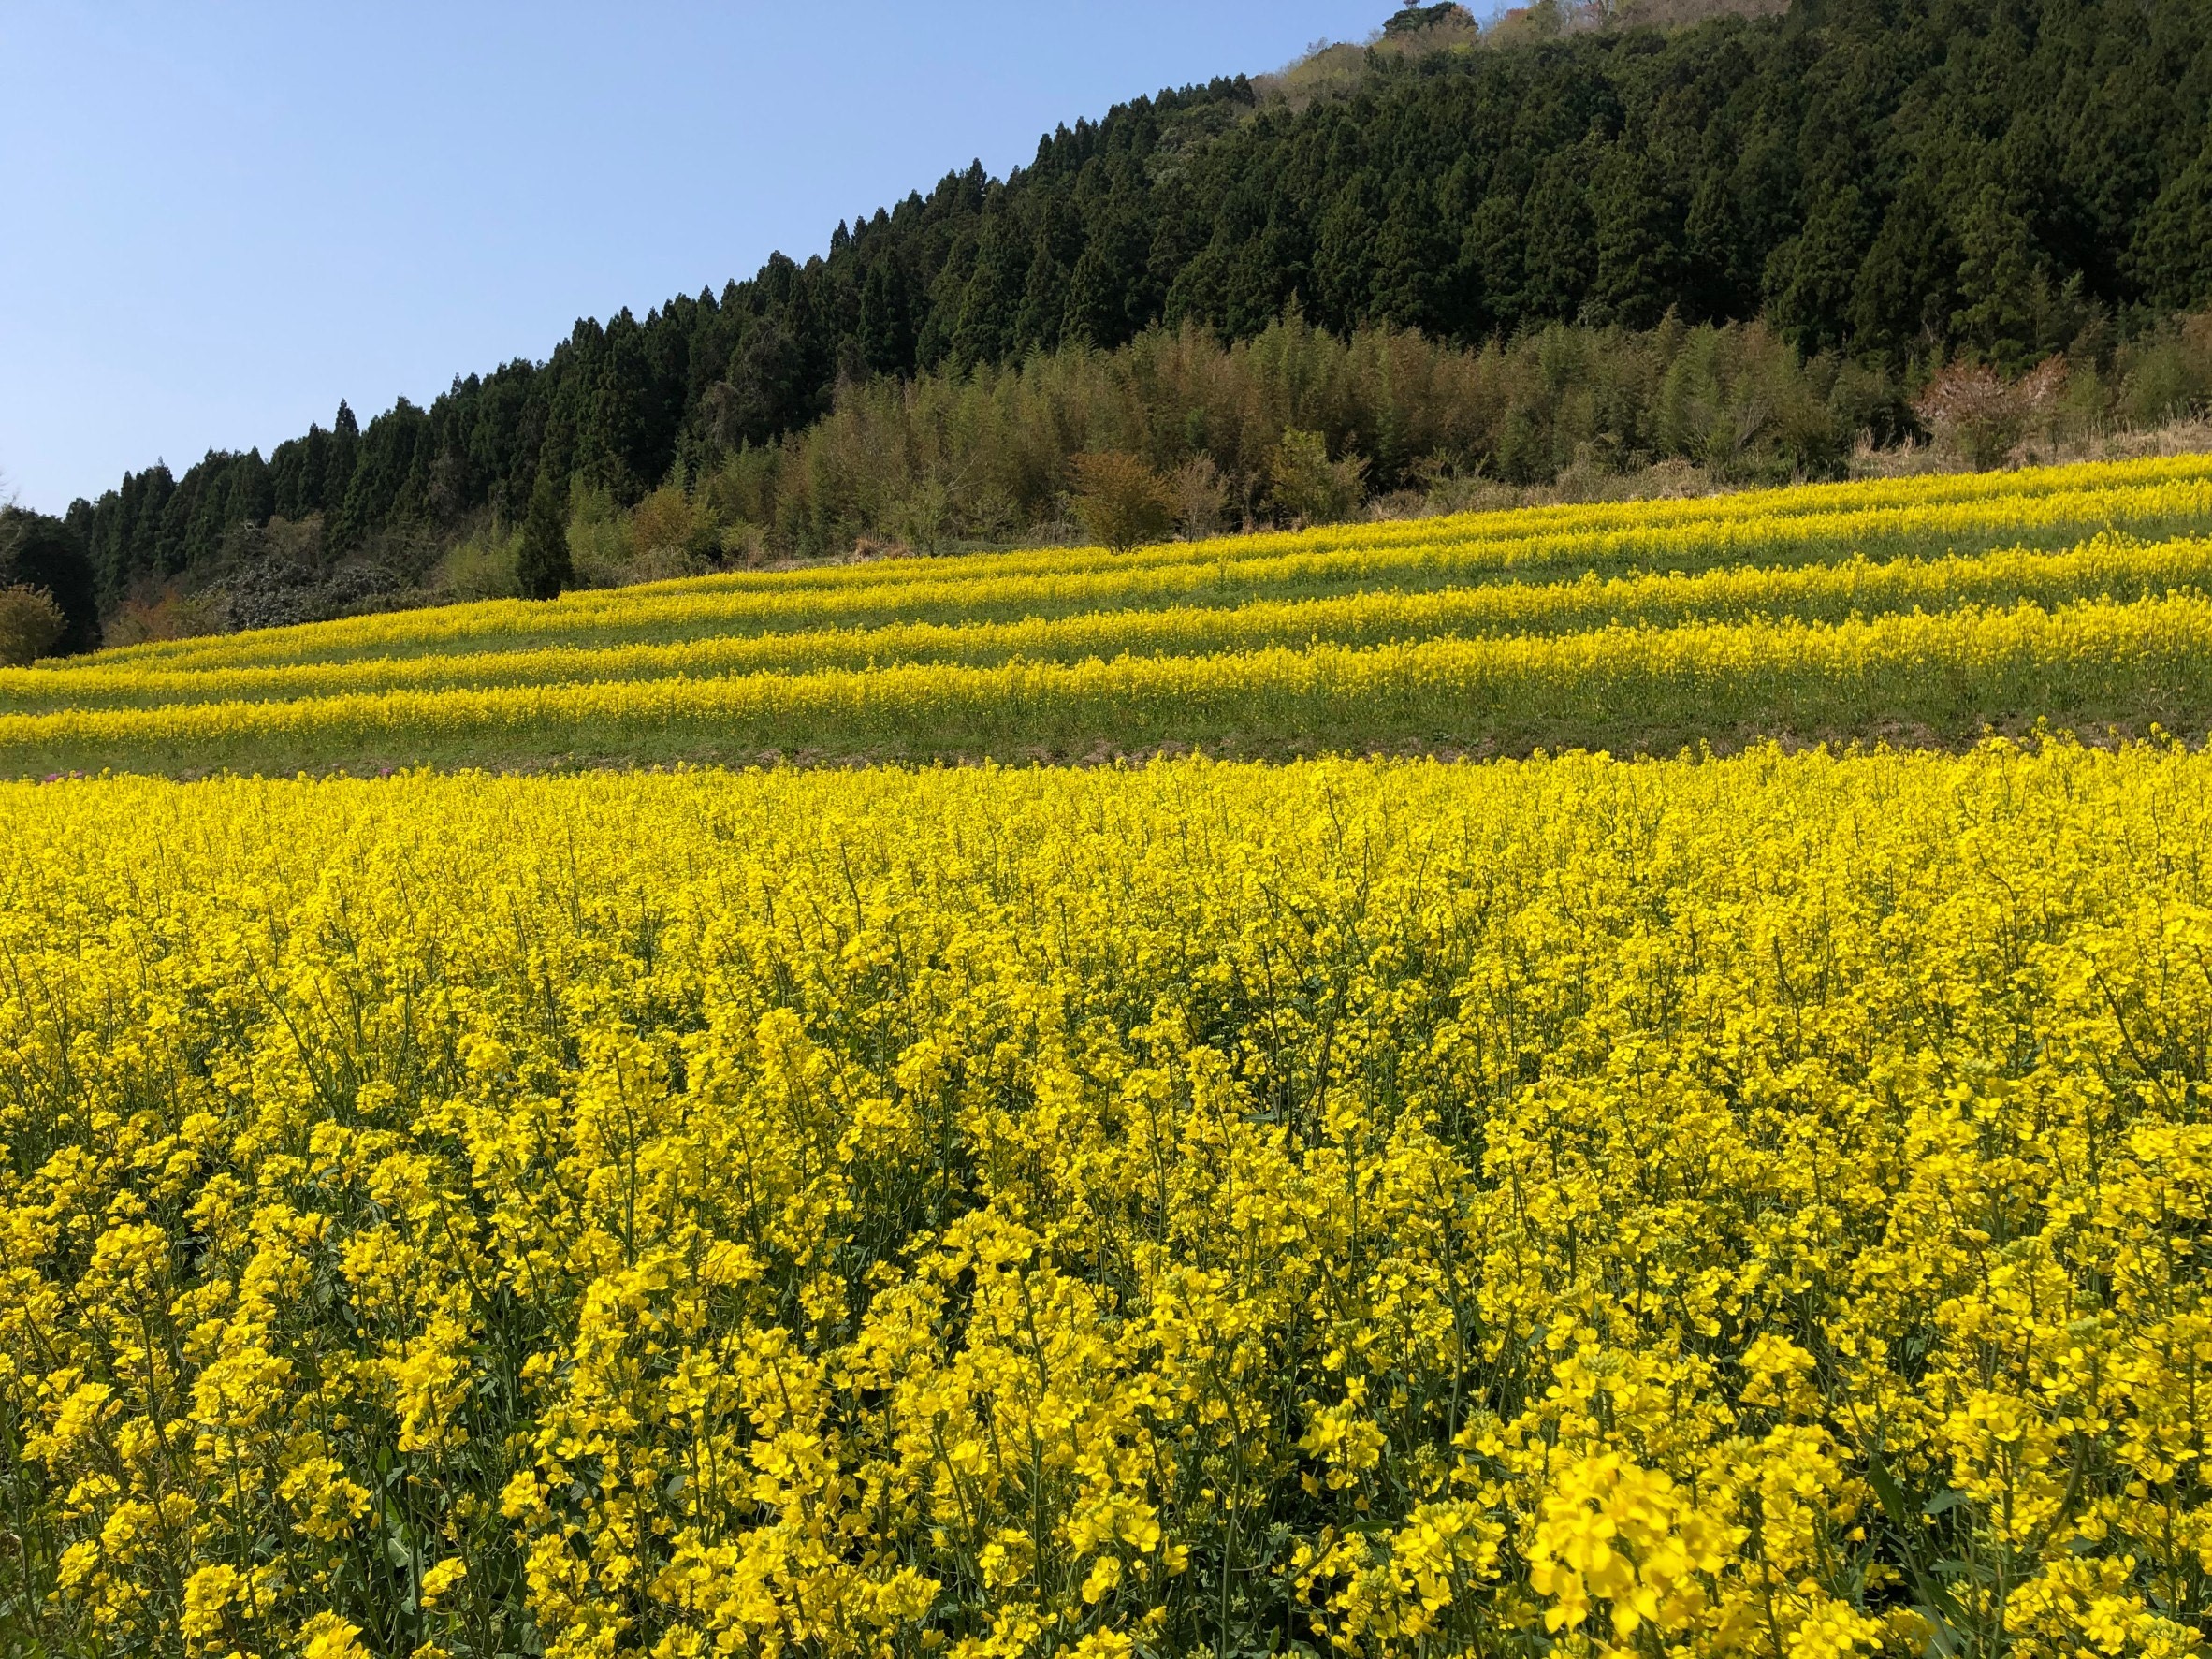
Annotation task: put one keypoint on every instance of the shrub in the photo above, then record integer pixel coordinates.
(599, 539)
(1978, 414)
(1121, 500)
(927, 517)
(666, 523)
(1311, 489)
(46, 555)
(2167, 373)
(167, 615)
(30, 625)
(482, 567)
(1201, 497)
(660, 563)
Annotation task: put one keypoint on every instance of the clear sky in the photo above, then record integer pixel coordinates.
(217, 219)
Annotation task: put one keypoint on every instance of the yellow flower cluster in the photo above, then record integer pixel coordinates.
(1752, 1206)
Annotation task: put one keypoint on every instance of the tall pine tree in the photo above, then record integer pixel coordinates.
(543, 568)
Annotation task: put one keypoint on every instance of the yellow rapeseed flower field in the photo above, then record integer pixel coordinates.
(1559, 1206)
(1934, 514)
(1745, 1206)
(1940, 675)
(2106, 566)
(1930, 608)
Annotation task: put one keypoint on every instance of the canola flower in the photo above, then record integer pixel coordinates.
(1741, 1207)
(2106, 566)
(1945, 675)
(1819, 524)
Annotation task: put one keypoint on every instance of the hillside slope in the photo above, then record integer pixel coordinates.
(1887, 178)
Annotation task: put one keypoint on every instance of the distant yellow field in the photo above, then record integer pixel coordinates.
(1929, 608)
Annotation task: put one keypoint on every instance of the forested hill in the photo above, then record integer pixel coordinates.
(1898, 178)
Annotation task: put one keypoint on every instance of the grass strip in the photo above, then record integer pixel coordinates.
(2105, 567)
(1919, 677)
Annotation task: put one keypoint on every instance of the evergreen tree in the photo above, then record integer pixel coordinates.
(765, 386)
(1998, 278)
(1490, 255)
(886, 323)
(1638, 238)
(1901, 298)
(991, 300)
(1413, 264)
(338, 470)
(2173, 251)
(1561, 254)
(1045, 302)
(542, 567)
(1111, 293)
(1811, 278)
(1345, 252)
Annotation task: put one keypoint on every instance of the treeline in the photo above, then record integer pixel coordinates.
(1298, 424)
(1893, 181)
(1179, 433)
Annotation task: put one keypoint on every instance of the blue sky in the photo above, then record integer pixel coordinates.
(217, 219)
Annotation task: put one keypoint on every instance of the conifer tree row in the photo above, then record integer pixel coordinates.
(1897, 180)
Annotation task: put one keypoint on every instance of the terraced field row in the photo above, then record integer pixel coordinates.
(1928, 609)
